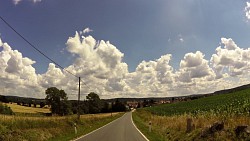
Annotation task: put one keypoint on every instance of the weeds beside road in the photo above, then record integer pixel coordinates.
(169, 121)
(16, 128)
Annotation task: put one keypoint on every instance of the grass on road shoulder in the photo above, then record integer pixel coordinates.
(87, 124)
(16, 128)
(144, 128)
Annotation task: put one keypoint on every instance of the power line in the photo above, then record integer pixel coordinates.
(79, 92)
(39, 50)
(35, 47)
(85, 84)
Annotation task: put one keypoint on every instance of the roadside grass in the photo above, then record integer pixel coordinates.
(144, 128)
(87, 124)
(166, 128)
(15, 128)
(169, 121)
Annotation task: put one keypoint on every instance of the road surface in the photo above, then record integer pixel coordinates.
(121, 129)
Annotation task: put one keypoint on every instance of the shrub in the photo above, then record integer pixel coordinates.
(4, 109)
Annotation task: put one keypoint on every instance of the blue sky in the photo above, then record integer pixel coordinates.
(141, 29)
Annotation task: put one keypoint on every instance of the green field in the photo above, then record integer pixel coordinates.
(169, 121)
(233, 103)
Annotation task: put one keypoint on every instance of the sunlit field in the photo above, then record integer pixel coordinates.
(169, 121)
(25, 109)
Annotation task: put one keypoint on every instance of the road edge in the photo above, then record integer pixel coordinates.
(97, 129)
(137, 128)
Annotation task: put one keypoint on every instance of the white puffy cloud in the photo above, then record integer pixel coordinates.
(152, 78)
(17, 76)
(194, 66)
(99, 59)
(230, 60)
(247, 10)
(53, 77)
(100, 65)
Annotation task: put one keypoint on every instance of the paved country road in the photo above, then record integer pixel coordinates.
(121, 129)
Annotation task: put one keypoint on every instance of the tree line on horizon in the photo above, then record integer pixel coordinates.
(59, 104)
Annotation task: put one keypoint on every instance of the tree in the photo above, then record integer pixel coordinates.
(94, 103)
(58, 100)
(118, 106)
(107, 107)
(42, 104)
(4, 99)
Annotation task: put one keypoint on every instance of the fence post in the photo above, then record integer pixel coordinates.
(189, 125)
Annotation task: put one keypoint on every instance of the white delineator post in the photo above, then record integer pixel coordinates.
(150, 126)
(75, 128)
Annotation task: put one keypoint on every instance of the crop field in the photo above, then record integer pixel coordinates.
(25, 109)
(169, 121)
(237, 103)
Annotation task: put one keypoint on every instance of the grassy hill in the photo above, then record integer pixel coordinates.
(169, 121)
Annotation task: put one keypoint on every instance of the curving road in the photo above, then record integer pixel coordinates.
(122, 129)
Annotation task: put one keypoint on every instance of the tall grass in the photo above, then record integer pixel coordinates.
(169, 120)
(174, 127)
(16, 128)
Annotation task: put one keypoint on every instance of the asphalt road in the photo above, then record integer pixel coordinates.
(121, 129)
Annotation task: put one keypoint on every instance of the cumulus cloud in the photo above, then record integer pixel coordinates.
(98, 62)
(100, 65)
(247, 10)
(102, 59)
(230, 60)
(17, 73)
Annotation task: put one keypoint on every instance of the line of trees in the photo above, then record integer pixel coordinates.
(29, 102)
(60, 105)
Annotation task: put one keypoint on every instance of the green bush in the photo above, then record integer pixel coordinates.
(4, 109)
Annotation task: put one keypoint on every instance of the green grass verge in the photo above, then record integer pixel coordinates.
(169, 120)
(144, 128)
(84, 127)
(16, 128)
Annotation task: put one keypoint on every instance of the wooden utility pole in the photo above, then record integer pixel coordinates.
(78, 102)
